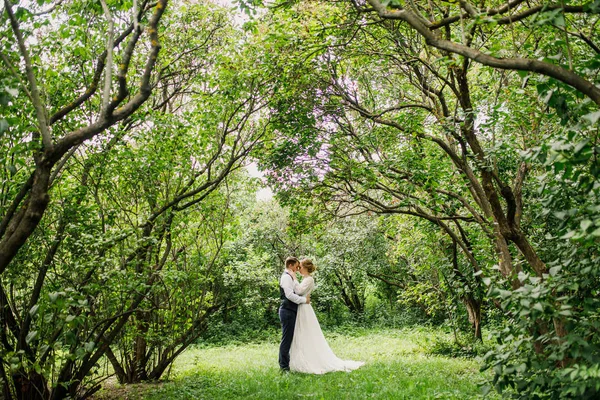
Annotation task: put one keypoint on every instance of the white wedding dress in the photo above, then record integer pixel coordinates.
(310, 352)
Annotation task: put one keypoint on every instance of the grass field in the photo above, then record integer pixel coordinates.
(396, 368)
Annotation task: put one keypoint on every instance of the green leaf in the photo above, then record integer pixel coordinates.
(89, 346)
(594, 7)
(559, 20)
(14, 92)
(585, 224)
(34, 310)
(485, 390)
(44, 348)
(31, 336)
(574, 374)
(3, 125)
(522, 74)
(592, 117)
(580, 146)
(80, 353)
(522, 276)
(568, 235)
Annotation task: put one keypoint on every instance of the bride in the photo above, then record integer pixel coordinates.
(310, 352)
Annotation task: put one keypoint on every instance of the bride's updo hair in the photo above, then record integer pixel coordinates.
(308, 264)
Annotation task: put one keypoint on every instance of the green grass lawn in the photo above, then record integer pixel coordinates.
(396, 368)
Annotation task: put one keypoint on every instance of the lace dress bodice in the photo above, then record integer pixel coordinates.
(305, 287)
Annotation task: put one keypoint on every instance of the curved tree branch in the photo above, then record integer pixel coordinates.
(523, 64)
(40, 108)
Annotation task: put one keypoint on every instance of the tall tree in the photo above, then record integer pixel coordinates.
(54, 134)
(119, 200)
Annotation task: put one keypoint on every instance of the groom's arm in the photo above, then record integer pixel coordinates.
(287, 283)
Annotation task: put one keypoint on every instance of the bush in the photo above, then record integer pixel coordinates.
(550, 346)
(447, 346)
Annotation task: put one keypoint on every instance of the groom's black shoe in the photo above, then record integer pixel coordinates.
(284, 371)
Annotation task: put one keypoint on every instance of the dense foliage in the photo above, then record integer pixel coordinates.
(439, 162)
(475, 120)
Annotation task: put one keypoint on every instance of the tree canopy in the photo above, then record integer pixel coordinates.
(438, 160)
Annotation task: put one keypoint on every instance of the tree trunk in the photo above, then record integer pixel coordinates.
(24, 222)
(119, 371)
(529, 253)
(32, 386)
(507, 268)
(6, 386)
(141, 347)
(474, 311)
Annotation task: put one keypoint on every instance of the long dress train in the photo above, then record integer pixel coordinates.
(310, 352)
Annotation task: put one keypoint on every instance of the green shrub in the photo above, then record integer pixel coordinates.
(549, 347)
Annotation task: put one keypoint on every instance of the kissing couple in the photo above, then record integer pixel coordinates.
(303, 347)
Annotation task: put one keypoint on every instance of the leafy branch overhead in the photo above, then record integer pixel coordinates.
(472, 22)
(437, 160)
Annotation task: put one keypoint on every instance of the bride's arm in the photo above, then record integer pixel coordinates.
(305, 286)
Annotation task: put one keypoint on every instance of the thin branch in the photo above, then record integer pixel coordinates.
(109, 57)
(49, 10)
(389, 282)
(135, 15)
(40, 110)
(581, 36)
(61, 165)
(82, 134)
(15, 74)
(100, 63)
(524, 64)
(518, 192)
(15, 204)
(534, 10)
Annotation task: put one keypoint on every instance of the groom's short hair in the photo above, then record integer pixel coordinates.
(291, 261)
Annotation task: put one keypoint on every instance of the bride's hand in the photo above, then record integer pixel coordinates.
(308, 299)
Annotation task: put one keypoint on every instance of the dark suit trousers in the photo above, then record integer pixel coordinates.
(288, 323)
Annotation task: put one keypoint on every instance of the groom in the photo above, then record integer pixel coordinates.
(288, 309)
